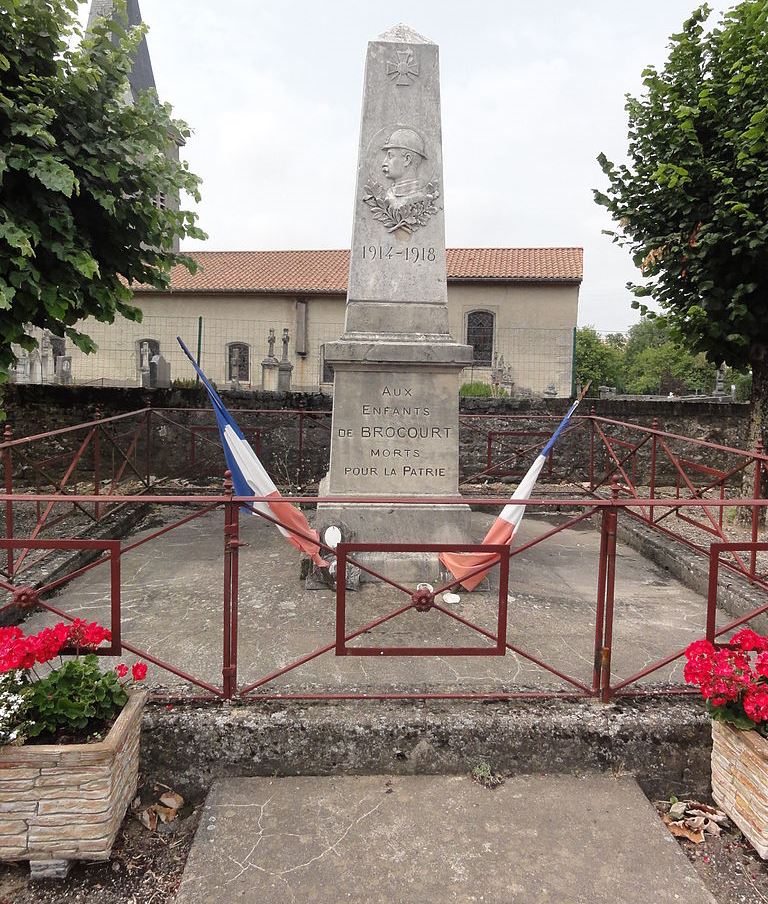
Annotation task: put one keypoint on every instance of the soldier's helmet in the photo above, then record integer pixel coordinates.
(407, 140)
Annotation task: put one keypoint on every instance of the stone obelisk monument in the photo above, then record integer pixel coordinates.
(396, 386)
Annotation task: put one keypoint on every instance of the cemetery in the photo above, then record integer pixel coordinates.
(350, 636)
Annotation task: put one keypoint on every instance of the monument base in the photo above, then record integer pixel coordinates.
(373, 523)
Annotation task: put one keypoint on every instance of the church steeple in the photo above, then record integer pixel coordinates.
(141, 77)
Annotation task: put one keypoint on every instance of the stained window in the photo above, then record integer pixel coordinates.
(238, 362)
(480, 336)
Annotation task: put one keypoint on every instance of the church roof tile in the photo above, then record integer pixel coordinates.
(325, 272)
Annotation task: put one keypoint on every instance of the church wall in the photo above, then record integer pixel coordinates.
(533, 332)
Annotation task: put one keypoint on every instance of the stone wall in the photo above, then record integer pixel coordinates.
(721, 423)
(34, 409)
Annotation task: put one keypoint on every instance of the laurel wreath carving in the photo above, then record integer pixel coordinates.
(407, 217)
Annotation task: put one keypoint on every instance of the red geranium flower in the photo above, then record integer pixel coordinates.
(139, 671)
(82, 634)
(121, 669)
(48, 642)
(756, 704)
(699, 649)
(749, 641)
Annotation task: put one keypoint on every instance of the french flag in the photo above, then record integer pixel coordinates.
(466, 566)
(250, 479)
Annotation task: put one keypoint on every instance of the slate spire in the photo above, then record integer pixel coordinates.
(141, 77)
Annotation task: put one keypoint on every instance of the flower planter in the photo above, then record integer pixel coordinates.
(64, 802)
(740, 781)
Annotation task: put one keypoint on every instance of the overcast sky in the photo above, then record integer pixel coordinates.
(531, 93)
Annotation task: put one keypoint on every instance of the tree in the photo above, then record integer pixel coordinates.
(615, 340)
(597, 361)
(656, 362)
(80, 174)
(692, 204)
(649, 332)
(661, 369)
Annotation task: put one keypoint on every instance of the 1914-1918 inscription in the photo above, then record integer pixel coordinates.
(389, 252)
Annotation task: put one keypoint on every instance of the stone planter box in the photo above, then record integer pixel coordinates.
(740, 781)
(64, 802)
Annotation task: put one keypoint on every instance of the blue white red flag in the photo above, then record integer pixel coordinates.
(250, 479)
(466, 567)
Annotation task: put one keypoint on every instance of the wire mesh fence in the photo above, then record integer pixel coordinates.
(280, 355)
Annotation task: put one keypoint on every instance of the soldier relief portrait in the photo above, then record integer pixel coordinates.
(399, 192)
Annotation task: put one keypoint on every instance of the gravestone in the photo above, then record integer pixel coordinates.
(162, 373)
(395, 429)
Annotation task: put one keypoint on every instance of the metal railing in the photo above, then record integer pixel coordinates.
(621, 470)
(601, 683)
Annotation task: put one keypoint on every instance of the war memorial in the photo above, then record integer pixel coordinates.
(485, 741)
(395, 429)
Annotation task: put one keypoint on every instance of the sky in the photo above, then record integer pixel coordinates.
(531, 94)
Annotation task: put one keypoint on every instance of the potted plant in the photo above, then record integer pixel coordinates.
(733, 679)
(69, 746)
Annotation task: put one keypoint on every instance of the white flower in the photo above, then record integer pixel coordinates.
(12, 707)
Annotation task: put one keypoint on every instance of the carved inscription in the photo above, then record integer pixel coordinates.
(411, 200)
(397, 435)
(404, 70)
(413, 255)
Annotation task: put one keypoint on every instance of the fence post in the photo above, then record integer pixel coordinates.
(600, 608)
(97, 464)
(148, 449)
(591, 448)
(8, 468)
(756, 494)
(654, 452)
(231, 546)
(300, 473)
(610, 520)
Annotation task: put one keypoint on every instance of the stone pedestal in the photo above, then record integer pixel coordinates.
(284, 371)
(269, 374)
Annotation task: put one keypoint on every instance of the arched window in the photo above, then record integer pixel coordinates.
(480, 336)
(238, 362)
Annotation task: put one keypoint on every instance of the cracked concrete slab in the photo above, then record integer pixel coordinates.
(369, 840)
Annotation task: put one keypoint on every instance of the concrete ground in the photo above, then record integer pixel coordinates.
(533, 840)
(172, 608)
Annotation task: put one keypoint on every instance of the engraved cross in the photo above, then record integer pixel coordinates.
(405, 70)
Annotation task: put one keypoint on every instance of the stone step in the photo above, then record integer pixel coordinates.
(545, 839)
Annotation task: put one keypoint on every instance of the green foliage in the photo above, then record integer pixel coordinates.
(733, 714)
(649, 332)
(185, 383)
(479, 389)
(692, 205)
(80, 172)
(669, 368)
(743, 383)
(597, 360)
(484, 774)
(77, 696)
